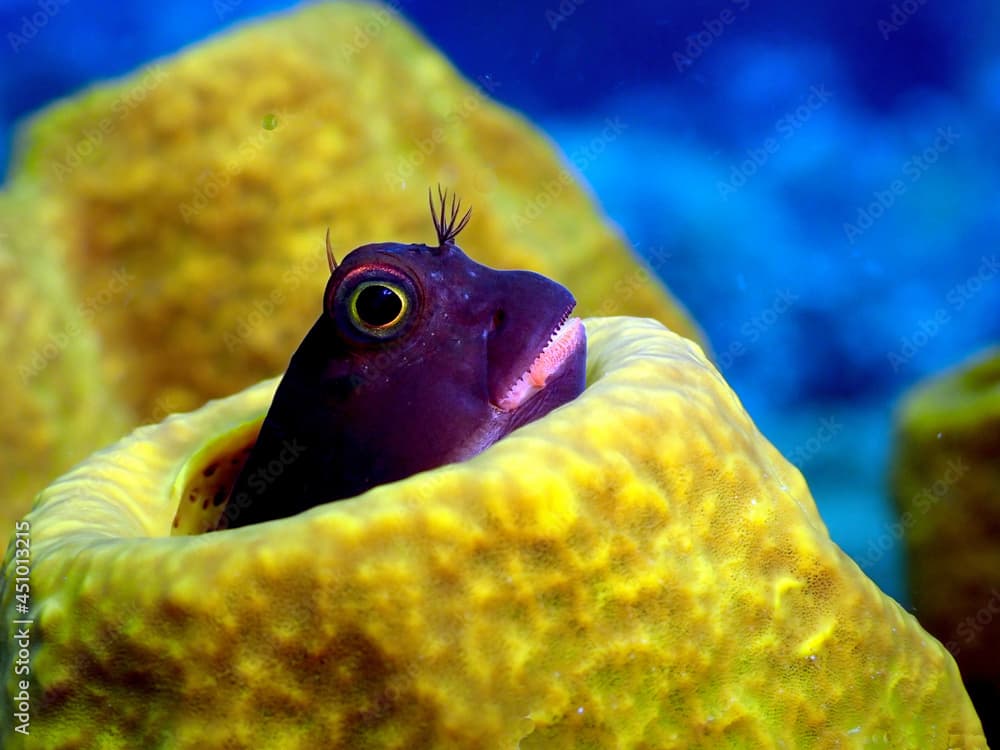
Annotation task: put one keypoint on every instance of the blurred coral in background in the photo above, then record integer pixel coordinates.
(166, 233)
(818, 184)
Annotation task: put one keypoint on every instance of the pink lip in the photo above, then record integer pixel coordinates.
(563, 342)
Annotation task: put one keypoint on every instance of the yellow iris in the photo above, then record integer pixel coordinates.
(378, 307)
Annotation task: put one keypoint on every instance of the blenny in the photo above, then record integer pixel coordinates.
(421, 357)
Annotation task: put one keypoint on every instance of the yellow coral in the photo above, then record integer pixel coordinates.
(639, 568)
(208, 181)
(55, 402)
(946, 484)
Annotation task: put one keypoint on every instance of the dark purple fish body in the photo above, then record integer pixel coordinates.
(421, 357)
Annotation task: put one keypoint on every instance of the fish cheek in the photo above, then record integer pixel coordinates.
(425, 414)
(339, 389)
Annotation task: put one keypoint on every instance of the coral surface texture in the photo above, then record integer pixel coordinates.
(638, 569)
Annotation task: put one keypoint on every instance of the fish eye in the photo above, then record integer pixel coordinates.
(378, 307)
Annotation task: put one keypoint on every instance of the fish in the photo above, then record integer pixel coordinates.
(421, 357)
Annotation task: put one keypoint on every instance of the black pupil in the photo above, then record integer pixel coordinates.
(378, 305)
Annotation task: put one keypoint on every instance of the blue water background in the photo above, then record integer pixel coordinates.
(817, 182)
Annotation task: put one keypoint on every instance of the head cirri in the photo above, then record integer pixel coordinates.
(421, 357)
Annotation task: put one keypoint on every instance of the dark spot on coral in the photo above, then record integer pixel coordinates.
(389, 689)
(209, 486)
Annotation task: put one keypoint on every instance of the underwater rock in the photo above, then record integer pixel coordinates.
(639, 568)
(193, 196)
(946, 485)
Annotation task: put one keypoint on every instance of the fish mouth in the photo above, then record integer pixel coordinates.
(565, 341)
